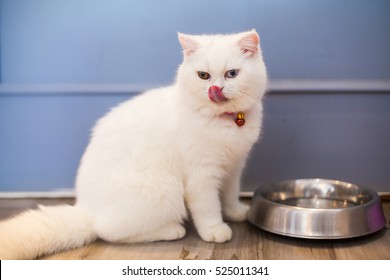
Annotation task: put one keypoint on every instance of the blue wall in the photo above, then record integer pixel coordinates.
(43, 137)
(122, 41)
(330, 135)
(340, 135)
(57, 55)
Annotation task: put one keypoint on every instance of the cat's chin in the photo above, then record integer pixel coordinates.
(230, 107)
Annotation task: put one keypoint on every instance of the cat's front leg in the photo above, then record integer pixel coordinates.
(233, 209)
(202, 198)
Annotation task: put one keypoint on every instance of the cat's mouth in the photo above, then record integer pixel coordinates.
(216, 95)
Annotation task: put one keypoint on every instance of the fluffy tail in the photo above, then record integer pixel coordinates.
(43, 231)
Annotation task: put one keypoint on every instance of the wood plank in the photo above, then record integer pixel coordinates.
(277, 247)
(373, 247)
(243, 246)
(248, 242)
(11, 207)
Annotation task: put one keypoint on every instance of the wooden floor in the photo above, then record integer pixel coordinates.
(248, 242)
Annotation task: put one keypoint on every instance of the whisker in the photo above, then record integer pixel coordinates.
(205, 92)
(244, 95)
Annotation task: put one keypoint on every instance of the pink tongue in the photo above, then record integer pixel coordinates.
(216, 95)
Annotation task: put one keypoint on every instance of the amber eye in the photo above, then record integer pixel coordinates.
(231, 73)
(203, 75)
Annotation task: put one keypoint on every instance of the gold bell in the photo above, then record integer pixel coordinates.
(240, 120)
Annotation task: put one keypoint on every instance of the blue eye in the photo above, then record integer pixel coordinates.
(231, 73)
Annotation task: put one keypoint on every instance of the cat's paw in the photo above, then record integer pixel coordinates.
(238, 213)
(176, 232)
(172, 232)
(219, 233)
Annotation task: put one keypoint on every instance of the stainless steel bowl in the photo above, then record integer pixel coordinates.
(317, 209)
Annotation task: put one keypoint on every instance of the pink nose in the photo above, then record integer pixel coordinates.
(216, 95)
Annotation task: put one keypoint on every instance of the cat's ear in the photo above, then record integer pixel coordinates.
(188, 43)
(249, 42)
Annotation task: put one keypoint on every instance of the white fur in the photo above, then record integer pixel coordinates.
(157, 155)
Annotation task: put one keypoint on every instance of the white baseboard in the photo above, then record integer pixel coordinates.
(53, 194)
(72, 194)
(284, 85)
(301, 85)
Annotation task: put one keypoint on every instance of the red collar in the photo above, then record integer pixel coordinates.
(239, 117)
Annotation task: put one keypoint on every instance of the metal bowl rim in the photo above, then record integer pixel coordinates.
(259, 194)
(260, 199)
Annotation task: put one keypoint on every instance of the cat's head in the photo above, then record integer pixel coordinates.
(222, 73)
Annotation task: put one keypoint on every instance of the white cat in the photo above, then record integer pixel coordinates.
(161, 156)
